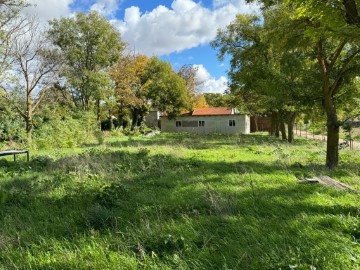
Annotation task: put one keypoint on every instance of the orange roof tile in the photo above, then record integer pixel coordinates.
(212, 111)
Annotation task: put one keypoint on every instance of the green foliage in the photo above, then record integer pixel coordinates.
(221, 100)
(66, 131)
(12, 128)
(166, 90)
(90, 44)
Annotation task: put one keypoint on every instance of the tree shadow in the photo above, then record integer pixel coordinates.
(121, 191)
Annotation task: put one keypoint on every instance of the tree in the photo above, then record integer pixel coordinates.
(10, 24)
(34, 70)
(189, 74)
(272, 81)
(90, 45)
(9, 10)
(218, 100)
(164, 88)
(129, 88)
(334, 38)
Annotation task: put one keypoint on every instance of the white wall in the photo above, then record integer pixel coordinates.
(213, 124)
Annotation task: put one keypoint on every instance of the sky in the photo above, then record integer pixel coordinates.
(177, 31)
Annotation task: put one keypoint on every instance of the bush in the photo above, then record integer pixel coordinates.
(65, 132)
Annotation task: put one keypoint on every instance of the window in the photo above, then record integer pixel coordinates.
(178, 123)
(232, 123)
(201, 123)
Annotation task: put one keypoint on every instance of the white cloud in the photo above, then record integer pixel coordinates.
(239, 4)
(48, 9)
(208, 83)
(185, 25)
(106, 7)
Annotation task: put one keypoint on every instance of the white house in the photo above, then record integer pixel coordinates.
(208, 120)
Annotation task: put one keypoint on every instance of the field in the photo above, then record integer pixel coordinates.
(180, 202)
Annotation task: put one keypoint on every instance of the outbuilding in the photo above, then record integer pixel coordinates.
(208, 120)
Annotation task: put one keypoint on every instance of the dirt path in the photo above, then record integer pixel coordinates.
(308, 135)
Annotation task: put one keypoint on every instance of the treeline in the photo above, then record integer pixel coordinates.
(297, 60)
(59, 82)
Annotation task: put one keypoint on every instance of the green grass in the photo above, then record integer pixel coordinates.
(179, 202)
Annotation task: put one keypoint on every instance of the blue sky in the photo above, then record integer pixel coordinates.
(178, 31)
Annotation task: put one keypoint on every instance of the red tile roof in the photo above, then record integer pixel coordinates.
(212, 111)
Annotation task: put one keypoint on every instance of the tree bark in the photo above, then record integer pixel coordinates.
(98, 109)
(291, 123)
(282, 130)
(256, 117)
(28, 116)
(275, 125)
(135, 118)
(329, 91)
(332, 144)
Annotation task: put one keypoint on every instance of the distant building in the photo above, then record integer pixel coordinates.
(208, 120)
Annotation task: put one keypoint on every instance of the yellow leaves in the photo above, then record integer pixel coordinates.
(127, 77)
(199, 101)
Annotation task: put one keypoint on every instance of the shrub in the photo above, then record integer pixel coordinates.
(65, 132)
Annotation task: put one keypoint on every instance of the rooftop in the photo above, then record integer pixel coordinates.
(213, 111)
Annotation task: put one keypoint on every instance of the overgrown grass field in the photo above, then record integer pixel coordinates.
(180, 202)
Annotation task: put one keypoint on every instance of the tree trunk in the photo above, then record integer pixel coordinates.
(135, 119)
(332, 144)
(329, 91)
(274, 130)
(282, 130)
(98, 109)
(291, 128)
(275, 125)
(28, 116)
(256, 118)
(29, 125)
(111, 121)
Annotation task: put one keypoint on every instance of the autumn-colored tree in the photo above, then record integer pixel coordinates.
(129, 90)
(189, 74)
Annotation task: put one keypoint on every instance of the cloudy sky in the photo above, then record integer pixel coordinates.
(178, 31)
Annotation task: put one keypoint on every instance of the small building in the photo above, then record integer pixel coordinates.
(208, 120)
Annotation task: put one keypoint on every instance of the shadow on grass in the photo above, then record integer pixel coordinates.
(165, 205)
(201, 141)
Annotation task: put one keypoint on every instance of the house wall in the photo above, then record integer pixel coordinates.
(213, 124)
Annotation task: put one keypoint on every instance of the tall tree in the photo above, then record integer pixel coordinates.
(34, 70)
(90, 45)
(165, 89)
(10, 24)
(334, 38)
(129, 88)
(270, 80)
